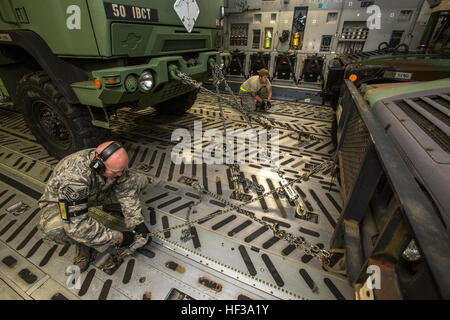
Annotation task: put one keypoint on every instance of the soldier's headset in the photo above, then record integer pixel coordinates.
(98, 163)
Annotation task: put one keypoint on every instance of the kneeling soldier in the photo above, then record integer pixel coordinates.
(81, 180)
(254, 90)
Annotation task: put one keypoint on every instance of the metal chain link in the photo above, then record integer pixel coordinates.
(249, 115)
(247, 184)
(299, 242)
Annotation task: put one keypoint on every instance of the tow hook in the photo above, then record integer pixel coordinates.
(173, 71)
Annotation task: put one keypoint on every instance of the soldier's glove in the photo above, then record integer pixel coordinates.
(263, 105)
(268, 104)
(142, 230)
(128, 239)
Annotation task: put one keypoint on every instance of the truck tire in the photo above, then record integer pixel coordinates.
(383, 47)
(61, 128)
(177, 105)
(402, 48)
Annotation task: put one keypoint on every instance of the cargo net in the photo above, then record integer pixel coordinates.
(354, 148)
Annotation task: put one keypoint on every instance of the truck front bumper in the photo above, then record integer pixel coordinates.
(120, 86)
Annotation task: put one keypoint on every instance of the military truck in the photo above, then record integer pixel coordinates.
(68, 65)
(430, 62)
(393, 150)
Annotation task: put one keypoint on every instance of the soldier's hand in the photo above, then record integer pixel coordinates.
(141, 229)
(268, 104)
(263, 105)
(128, 238)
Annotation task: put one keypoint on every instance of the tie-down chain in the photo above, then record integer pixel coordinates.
(286, 188)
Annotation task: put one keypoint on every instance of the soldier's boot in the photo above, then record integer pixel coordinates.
(82, 257)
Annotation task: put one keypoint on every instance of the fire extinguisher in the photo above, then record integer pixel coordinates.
(296, 40)
(268, 39)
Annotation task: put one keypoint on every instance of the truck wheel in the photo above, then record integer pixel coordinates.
(384, 46)
(401, 48)
(177, 105)
(61, 128)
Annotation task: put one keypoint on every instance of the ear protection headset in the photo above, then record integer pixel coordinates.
(97, 164)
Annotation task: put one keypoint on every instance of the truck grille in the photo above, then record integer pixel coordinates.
(354, 148)
(430, 127)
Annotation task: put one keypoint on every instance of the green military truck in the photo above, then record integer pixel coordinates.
(393, 153)
(430, 62)
(68, 65)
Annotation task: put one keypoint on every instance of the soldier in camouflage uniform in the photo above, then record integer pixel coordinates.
(76, 185)
(254, 90)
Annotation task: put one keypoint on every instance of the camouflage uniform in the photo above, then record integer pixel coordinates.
(249, 89)
(74, 180)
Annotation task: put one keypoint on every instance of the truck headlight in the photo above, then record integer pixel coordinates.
(146, 81)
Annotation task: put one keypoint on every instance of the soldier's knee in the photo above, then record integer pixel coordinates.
(248, 102)
(74, 234)
(72, 231)
(48, 218)
(81, 229)
(51, 226)
(263, 93)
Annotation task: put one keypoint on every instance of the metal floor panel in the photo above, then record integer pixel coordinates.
(230, 249)
(22, 248)
(8, 293)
